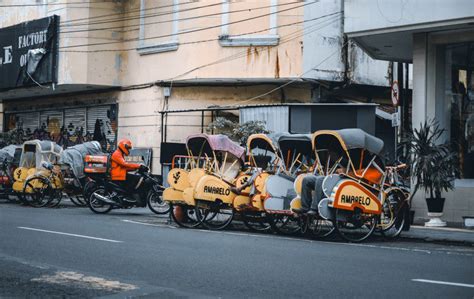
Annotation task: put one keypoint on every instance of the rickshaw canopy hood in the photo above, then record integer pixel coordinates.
(74, 156)
(35, 152)
(204, 143)
(8, 152)
(351, 139)
(263, 141)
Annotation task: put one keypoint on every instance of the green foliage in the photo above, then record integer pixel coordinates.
(236, 131)
(10, 137)
(433, 163)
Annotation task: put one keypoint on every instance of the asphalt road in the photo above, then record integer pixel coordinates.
(71, 252)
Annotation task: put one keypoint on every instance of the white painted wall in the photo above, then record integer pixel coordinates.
(365, 15)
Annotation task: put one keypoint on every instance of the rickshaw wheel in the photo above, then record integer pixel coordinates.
(77, 201)
(395, 202)
(156, 203)
(256, 223)
(215, 215)
(57, 196)
(318, 228)
(354, 226)
(285, 224)
(37, 192)
(184, 216)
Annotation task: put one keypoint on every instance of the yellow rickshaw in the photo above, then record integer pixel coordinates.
(354, 195)
(200, 190)
(295, 157)
(38, 178)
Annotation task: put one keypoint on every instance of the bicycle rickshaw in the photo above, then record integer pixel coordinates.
(295, 157)
(359, 197)
(200, 190)
(9, 159)
(38, 179)
(72, 167)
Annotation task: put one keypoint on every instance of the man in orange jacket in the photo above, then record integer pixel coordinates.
(120, 168)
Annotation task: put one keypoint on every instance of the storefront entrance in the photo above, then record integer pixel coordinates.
(67, 126)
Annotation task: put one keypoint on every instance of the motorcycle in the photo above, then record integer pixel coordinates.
(107, 195)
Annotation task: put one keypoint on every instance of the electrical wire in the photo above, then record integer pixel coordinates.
(294, 80)
(187, 32)
(176, 20)
(57, 3)
(235, 56)
(206, 40)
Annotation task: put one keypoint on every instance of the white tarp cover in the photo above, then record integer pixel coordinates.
(35, 152)
(8, 152)
(74, 156)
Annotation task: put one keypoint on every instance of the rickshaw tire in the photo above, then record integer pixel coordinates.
(179, 222)
(251, 225)
(402, 213)
(345, 236)
(280, 231)
(32, 203)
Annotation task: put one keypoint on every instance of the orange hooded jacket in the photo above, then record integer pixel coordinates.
(120, 167)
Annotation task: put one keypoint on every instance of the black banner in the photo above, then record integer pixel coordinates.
(29, 53)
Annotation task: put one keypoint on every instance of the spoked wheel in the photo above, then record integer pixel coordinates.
(184, 216)
(285, 224)
(319, 228)
(57, 196)
(77, 200)
(256, 222)
(396, 207)
(97, 205)
(37, 192)
(156, 203)
(214, 215)
(354, 226)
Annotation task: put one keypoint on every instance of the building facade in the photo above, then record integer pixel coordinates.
(121, 63)
(438, 38)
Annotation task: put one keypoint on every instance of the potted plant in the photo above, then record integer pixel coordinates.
(433, 167)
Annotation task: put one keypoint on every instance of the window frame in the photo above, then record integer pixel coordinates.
(271, 39)
(146, 48)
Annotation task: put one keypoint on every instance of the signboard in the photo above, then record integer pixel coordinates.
(395, 93)
(29, 53)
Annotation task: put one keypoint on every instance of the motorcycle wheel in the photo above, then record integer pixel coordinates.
(96, 205)
(156, 203)
(184, 216)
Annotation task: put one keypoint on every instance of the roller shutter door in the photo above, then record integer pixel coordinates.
(29, 122)
(52, 120)
(75, 119)
(102, 118)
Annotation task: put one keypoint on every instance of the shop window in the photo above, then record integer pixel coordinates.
(158, 26)
(240, 33)
(459, 89)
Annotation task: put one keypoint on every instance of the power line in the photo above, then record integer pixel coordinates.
(230, 57)
(187, 32)
(123, 13)
(294, 80)
(178, 20)
(206, 40)
(135, 17)
(57, 3)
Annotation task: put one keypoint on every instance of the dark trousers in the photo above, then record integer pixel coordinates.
(310, 184)
(131, 181)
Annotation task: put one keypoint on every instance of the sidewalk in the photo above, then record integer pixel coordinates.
(440, 234)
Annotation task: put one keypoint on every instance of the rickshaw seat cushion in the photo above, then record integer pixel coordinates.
(372, 175)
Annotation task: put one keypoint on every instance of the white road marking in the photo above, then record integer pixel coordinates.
(67, 234)
(148, 224)
(465, 285)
